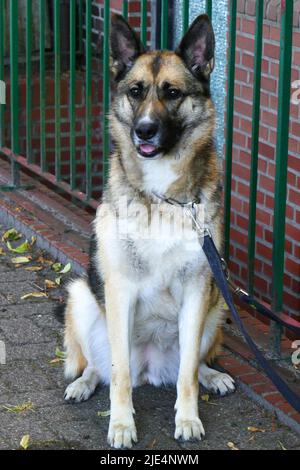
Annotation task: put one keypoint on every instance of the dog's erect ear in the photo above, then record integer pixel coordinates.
(197, 47)
(125, 46)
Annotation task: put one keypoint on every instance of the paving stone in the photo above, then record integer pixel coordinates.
(32, 333)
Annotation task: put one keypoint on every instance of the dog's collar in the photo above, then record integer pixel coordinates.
(175, 202)
(191, 209)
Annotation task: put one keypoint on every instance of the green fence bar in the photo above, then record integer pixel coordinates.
(125, 9)
(255, 143)
(2, 69)
(28, 80)
(72, 92)
(144, 22)
(57, 89)
(185, 14)
(14, 88)
(88, 102)
(42, 86)
(229, 125)
(106, 78)
(208, 7)
(164, 24)
(284, 100)
(80, 26)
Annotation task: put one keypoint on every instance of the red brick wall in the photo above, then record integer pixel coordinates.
(266, 171)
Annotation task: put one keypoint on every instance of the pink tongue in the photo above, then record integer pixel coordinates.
(146, 148)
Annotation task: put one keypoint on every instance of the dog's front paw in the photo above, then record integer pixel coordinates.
(122, 434)
(189, 429)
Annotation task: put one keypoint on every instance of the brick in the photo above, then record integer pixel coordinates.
(275, 398)
(271, 50)
(269, 84)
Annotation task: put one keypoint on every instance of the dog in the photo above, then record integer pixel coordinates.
(148, 310)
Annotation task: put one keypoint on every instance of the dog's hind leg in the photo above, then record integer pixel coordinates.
(84, 324)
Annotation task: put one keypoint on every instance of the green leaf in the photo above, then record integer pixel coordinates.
(103, 414)
(11, 234)
(58, 280)
(28, 406)
(66, 269)
(56, 267)
(19, 249)
(60, 354)
(24, 443)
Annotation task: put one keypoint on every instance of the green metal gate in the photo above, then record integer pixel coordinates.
(76, 16)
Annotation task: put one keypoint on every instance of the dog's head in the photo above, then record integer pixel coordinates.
(162, 96)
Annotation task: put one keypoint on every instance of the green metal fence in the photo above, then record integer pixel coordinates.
(281, 151)
(80, 25)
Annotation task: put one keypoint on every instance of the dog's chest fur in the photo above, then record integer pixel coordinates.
(160, 267)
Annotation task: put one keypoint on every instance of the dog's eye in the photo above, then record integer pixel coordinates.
(173, 94)
(135, 92)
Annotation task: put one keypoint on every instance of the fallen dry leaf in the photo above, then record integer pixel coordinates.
(50, 284)
(57, 360)
(281, 446)
(43, 260)
(205, 397)
(103, 414)
(232, 446)
(2, 252)
(33, 294)
(24, 443)
(253, 429)
(34, 268)
(21, 259)
(28, 406)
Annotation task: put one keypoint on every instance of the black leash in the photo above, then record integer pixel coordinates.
(219, 270)
(282, 319)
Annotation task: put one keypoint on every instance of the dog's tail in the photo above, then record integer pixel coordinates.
(59, 312)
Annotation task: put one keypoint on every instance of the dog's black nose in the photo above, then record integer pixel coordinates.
(146, 130)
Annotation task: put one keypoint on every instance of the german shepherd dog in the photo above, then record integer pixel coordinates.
(149, 311)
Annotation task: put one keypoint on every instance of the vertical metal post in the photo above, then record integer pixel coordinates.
(185, 14)
(106, 90)
(72, 91)
(229, 125)
(125, 9)
(28, 80)
(208, 7)
(255, 143)
(88, 104)
(42, 86)
(2, 35)
(57, 80)
(164, 24)
(144, 4)
(14, 89)
(281, 166)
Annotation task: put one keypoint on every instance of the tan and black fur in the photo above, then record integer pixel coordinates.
(149, 311)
